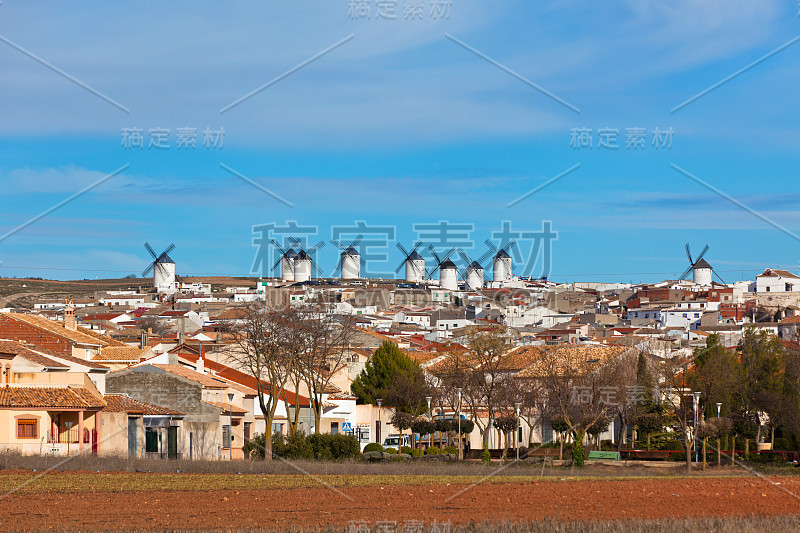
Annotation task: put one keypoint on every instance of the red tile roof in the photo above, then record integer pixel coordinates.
(235, 409)
(243, 379)
(28, 352)
(122, 403)
(49, 397)
(11, 347)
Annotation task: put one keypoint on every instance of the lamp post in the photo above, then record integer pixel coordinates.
(694, 432)
(230, 426)
(517, 405)
(458, 391)
(378, 436)
(430, 419)
(719, 440)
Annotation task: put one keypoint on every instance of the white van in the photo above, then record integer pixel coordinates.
(397, 441)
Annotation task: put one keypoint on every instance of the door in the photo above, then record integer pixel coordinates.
(172, 442)
(132, 437)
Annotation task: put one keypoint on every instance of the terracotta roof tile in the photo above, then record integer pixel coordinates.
(49, 397)
(55, 357)
(235, 409)
(122, 403)
(80, 336)
(11, 347)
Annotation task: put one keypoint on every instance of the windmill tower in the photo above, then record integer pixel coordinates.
(702, 272)
(414, 263)
(163, 269)
(304, 265)
(475, 271)
(350, 261)
(502, 264)
(448, 271)
(287, 259)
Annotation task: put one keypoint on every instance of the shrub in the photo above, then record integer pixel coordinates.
(405, 449)
(781, 444)
(390, 450)
(254, 448)
(486, 457)
(373, 447)
(578, 454)
(452, 450)
(433, 450)
(415, 452)
(320, 447)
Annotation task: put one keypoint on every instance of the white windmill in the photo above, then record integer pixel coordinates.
(702, 272)
(414, 263)
(287, 258)
(502, 264)
(475, 271)
(350, 261)
(163, 268)
(304, 265)
(448, 271)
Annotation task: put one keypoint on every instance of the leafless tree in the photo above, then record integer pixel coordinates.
(261, 349)
(325, 353)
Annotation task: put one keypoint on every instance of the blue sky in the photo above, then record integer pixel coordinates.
(400, 126)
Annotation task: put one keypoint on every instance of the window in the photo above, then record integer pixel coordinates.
(27, 428)
(276, 428)
(334, 428)
(768, 288)
(226, 436)
(788, 287)
(150, 440)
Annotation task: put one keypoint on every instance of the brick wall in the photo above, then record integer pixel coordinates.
(16, 330)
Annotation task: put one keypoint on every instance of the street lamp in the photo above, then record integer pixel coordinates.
(516, 435)
(696, 418)
(430, 419)
(230, 426)
(458, 391)
(378, 435)
(719, 407)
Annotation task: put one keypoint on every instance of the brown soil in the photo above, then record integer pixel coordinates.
(509, 502)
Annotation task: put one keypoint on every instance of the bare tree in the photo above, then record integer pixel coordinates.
(484, 385)
(677, 396)
(581, 391)
(261, 349)
(326, 352)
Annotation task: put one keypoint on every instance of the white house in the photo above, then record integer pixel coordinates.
(777, 281)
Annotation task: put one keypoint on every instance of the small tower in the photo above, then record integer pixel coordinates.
(70, 322)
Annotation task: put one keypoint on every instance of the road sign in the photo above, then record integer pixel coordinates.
(347, 427)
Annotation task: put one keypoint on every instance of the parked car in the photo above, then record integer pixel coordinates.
(396, 441)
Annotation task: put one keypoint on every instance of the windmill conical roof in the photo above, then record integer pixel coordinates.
(165, 259)
(351, 251)
(702, 264)
(414, 256)
(302, 255)
(475, 266)
(290, 253)
(502, 254)
(448, 264)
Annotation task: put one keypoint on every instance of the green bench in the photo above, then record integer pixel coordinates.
(607, 456)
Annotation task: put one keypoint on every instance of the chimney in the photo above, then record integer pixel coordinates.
(172, 358)
(69, 317)
(145, 340)
(201, 366)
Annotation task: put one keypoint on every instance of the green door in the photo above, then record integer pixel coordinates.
(172, 442)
